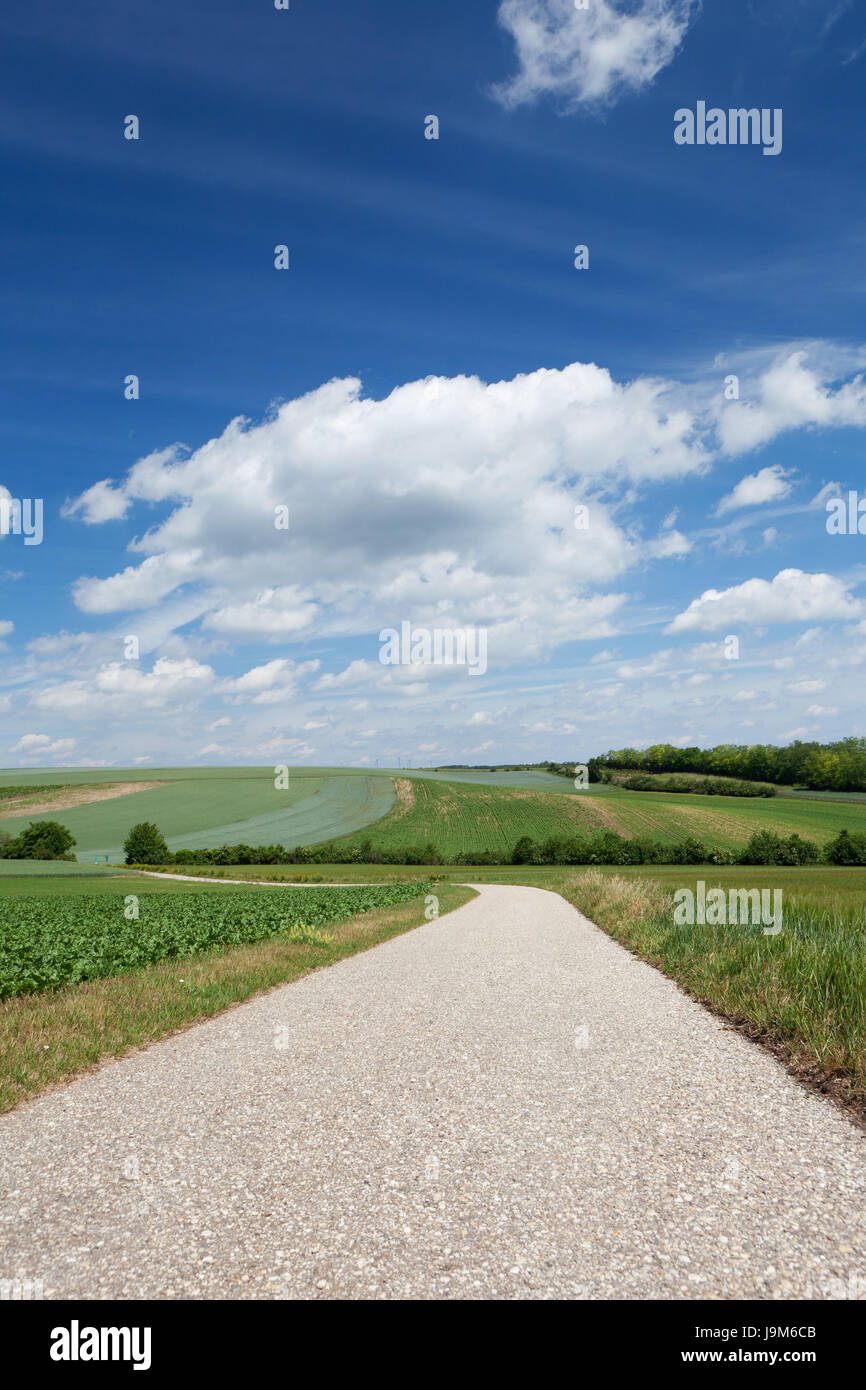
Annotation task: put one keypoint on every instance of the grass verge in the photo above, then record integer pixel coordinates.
(46, 1039)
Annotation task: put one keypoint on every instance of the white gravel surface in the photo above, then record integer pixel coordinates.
(503, 1103)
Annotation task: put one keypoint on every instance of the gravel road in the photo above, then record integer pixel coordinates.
(501, 1104)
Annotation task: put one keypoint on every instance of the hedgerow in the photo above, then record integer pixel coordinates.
(604, 847)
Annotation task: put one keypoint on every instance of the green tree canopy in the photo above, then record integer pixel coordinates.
(145, 844)
(43, 839)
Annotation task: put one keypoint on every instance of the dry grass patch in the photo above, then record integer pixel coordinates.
(67, 797)
(405, 797)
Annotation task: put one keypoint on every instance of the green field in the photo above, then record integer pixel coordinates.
(455, 816)
(49, 940)
(721, 821)
(199, 809)
(51, 869)
(528, 780)
(117, 881)
(459, 811)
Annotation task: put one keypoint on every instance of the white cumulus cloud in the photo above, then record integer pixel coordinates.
(791, 597)
(590, 55)
(768, 485)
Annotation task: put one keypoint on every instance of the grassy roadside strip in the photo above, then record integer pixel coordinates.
(802, 993)
(46, 1039)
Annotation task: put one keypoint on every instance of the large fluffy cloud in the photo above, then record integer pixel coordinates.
(591, 54)
(450, 502)
(123, 687)
(791, 597)
(518, 506)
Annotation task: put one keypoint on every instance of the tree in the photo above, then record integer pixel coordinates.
(145, 844)
(43, 839)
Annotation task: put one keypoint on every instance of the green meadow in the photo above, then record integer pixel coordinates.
(197, 809)
(454, 811)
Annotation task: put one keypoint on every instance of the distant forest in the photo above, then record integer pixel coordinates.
(837, 766)
(819, 766)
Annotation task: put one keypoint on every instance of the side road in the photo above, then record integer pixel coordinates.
(503, 1103)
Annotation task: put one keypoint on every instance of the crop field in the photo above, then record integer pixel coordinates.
(455, 816)
(74, 776)
(48, 941)
(531, 780)
(196, 811)
(464, 810)
(724, 822)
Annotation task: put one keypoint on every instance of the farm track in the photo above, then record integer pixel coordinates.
(500, 1104)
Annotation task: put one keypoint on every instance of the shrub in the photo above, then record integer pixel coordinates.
(765, 847)
(797, 851)
(691, 851)
(723, 856)
(526, 851)
(846, 849)
(651, 851)
(606, 847)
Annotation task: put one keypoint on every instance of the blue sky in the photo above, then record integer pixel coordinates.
(432, 386)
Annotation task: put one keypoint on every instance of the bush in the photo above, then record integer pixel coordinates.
(651, 851)
(43, 839)
(691, 851)
(145, 844)
(526, 851)
(846, 849)
(765, 847)
(723, 856)
(797, 851)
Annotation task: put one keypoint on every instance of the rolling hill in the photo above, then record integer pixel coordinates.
(199, 808)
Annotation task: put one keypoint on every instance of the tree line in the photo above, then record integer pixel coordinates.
(839, 766)
(146, 845)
